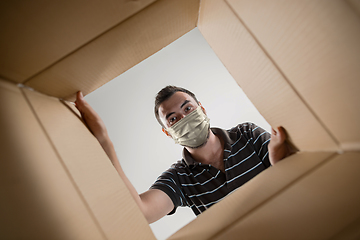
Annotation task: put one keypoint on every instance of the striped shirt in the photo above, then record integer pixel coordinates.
(199, 186)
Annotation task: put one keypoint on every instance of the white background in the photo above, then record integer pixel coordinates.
(126, 104)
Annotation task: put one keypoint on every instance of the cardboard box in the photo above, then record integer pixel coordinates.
(297, 61)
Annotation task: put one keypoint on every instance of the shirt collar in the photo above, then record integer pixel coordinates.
(229, 137)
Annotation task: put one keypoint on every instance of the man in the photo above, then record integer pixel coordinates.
(215, 163)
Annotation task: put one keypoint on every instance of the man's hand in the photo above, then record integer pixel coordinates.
(91, 118)
(153, 203)
(278, 146)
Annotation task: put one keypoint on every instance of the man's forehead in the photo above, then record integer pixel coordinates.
(174, 102)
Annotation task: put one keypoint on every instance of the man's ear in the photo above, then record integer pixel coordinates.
(166, 132)
(202, 108)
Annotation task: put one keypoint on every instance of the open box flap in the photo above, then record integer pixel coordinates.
(99, 184)
(261, 78)
(252, 195)
(37, 34)
(38, 199)
(316, 47)
(117, 50)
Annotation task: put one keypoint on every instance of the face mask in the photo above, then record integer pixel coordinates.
(192, 130)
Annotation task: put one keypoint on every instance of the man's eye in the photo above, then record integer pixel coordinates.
(188, 108)
(173, 119)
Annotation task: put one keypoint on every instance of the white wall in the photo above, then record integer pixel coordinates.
(126, 105)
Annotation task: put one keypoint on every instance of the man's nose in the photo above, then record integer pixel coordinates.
(182, 116)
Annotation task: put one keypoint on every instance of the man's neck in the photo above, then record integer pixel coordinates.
(211, 153)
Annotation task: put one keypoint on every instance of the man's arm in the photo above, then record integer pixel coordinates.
(153, 203)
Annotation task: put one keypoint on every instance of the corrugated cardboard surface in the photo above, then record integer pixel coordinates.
(316, 46)
(36, 34)
(252, 196)
(351, 232)
(298, 62)
(355, 5)
(318, 206)
(118, 49)
(260, 78)
(38, 200)
(92, 172)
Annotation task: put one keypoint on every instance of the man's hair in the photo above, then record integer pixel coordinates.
(164, 94)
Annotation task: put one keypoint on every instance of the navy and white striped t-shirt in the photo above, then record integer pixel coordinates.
(199, 186)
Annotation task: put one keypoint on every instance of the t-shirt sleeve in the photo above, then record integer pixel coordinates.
(168, 182)
(261, 139)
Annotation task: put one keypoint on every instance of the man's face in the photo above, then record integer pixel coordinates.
(175, 108)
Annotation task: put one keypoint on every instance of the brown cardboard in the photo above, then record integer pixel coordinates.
(38, 199)
(296, 60)
(260, 77)
(35, 35)
(316, 46)
(316, 207)
(103, 191)
(252, 195)
(355, 5)
(117, 50)
(351, 232)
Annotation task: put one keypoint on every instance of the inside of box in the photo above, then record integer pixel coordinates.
(297, 62)
(126, 106)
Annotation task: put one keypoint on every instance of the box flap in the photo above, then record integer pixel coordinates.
(261, 79)
(251, 196)
(117, 50)
(38, 198)
(316, 46)
(104, 192)
(321, 205)
(355, 5)
(36, 34)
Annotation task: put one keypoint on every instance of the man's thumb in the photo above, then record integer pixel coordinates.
(79, 102)
(282, 133)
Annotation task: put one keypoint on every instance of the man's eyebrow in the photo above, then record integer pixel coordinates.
(185, 102)
(169, 114)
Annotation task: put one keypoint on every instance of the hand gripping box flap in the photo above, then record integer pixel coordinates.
(99, 184)
(316, 46)
(324, 103)
(251, 196)
(322, 205)
(38, 199)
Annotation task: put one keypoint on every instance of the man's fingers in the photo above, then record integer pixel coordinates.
(273, 132)
(81, 103)
(279, 133)
(79, 97)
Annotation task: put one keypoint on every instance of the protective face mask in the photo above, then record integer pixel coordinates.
(192, 130)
